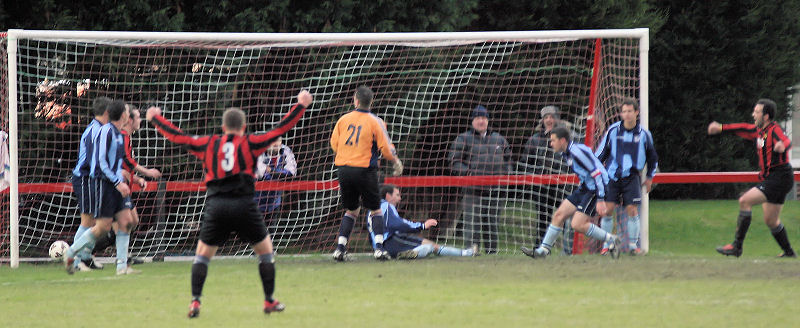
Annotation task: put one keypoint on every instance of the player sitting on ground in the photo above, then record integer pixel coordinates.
(228, 161)
(398, 240)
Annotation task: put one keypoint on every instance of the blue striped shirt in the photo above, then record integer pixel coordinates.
(109, 151)
(625, 152)
(83, 167)
(394, 223)
(587, 167)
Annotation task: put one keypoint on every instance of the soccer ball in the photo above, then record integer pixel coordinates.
(58, 249)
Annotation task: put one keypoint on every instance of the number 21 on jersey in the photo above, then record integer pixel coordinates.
(354, 131)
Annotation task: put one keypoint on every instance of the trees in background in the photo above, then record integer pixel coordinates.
(709, 60)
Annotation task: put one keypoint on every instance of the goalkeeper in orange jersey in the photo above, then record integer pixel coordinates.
(359, 139)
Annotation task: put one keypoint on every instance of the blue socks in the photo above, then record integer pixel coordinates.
(550, 237)
(595, 232)
(424, 250)
(81, 243)
(633, 231)
(122, 249)
(451, 251)
(86, 253)
(607, 224)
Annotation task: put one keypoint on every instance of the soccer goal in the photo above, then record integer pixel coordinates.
(426, 86)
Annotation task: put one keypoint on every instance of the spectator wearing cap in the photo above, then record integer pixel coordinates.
(480, 151)
(538, 158)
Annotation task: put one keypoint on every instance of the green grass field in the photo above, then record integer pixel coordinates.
(681, 283)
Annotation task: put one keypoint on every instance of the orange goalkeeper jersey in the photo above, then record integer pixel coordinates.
(359, 139)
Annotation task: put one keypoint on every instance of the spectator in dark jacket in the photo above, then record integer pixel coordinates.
(480, 151)
(538, 158)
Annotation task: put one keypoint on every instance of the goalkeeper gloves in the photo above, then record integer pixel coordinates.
(398, 168)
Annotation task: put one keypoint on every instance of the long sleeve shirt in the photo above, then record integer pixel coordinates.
(765, 139)
(587, 167)
(625, 152)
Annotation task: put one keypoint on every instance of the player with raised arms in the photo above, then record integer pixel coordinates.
(228, 161)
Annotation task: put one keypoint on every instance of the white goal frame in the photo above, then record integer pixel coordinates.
(14, 35)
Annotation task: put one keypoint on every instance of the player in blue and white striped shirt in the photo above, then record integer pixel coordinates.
(626, 148)
(112, 194)
(81, 180)
(581, 203)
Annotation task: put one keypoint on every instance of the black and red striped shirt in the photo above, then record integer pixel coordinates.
(128, 162)
(768, 159)
(228, 160)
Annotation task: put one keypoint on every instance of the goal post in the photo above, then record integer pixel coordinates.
(426, 85)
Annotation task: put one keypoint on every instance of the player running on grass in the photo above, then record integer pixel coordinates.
(776, 176)
(582, 202)
(228, 161)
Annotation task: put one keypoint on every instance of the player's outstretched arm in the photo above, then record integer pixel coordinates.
(197, 145)
(150, 173)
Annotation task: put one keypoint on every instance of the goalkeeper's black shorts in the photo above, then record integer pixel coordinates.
(358, 185)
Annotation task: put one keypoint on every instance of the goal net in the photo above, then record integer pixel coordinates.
(426, 87)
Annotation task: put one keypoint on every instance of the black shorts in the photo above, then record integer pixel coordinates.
(400, 242)
(630, 188)
(585, 200)
(358, 185)
(83, 189)
(224, 215)
(109, 200)
(777, 185)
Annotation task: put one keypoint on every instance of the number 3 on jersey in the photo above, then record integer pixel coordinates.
(227, 162)
(354, 130)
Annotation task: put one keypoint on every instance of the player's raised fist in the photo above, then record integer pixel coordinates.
(152, 111)
(714, 128)
(304, 98)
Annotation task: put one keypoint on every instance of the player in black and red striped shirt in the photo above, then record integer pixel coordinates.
(228, 161)
(776, 176)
